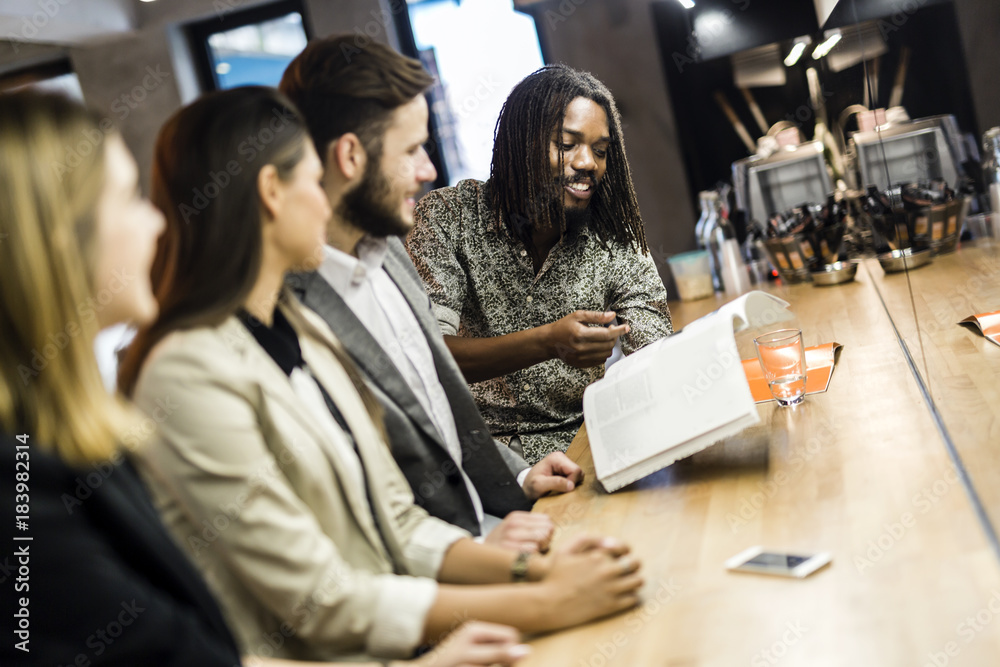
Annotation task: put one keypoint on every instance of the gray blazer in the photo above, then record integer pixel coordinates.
(416, 444)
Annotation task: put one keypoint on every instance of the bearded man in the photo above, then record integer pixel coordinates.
(366, 112)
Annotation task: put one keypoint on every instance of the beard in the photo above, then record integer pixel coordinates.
(369, 206)
(550, 200)
(576, 217)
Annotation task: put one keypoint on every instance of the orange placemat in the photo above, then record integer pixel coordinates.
(987, 323)
(820, 362)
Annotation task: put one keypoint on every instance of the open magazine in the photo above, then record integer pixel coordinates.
(987, 323)
(675, 397)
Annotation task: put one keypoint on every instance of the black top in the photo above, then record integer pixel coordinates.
(103, 581)
(282, 344)
(279, 340)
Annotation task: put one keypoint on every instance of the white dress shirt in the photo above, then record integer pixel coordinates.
(375, 299)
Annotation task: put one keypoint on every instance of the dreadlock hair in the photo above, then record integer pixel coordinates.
(519, 190)
(341, 87)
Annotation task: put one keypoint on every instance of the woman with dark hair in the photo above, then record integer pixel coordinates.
(92, 576)
(270, 463)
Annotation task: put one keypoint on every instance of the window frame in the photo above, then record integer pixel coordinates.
(36, 73)
(408, 47)
(199, 32)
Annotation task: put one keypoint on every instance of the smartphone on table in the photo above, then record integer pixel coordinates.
(759, 561)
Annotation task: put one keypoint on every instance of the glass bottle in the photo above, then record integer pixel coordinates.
(699, 228)
(991, 167)
(729, 273)
(733, 274)
(709, 239)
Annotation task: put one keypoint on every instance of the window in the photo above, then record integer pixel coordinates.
(249, 48)
(51, 77)
(478, 50)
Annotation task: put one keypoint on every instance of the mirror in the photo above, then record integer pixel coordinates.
(879, 107)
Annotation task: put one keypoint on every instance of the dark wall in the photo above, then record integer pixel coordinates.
(979, 24)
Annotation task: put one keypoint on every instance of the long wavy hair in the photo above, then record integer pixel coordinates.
(519, 189)
(52, 167)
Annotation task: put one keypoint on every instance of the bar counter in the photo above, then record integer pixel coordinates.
(860, 471)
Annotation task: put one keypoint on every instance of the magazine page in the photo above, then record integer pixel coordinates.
(676, 396)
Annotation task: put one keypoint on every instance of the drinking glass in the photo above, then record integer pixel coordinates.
(783, 359)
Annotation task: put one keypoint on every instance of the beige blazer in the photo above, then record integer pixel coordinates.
(275, 516)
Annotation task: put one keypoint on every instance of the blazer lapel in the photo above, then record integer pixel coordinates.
(319, 296)
(278, 389)
(406, 278)
(456, 389)
(273, 381)
(487, 469)
(413, 291)
(318, 345)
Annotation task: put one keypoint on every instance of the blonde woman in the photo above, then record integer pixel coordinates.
(89, 574)
(272, 468)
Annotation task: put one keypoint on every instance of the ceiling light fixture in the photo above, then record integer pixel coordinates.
(796, 53)
(687, 4)
(827, 46)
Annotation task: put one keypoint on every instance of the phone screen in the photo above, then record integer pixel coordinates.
(777, 561)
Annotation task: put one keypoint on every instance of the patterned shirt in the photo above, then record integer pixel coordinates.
(482, 284)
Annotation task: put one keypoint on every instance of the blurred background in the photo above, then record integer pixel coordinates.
(709, 90)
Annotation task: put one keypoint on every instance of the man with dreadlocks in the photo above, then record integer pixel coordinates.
(528, 271)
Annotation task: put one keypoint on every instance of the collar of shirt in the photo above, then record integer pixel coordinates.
(345, 272)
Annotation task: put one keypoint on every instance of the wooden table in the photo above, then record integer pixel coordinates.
(859, 471)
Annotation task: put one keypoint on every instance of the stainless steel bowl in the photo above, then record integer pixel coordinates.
(835, 274)
(901, 260)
